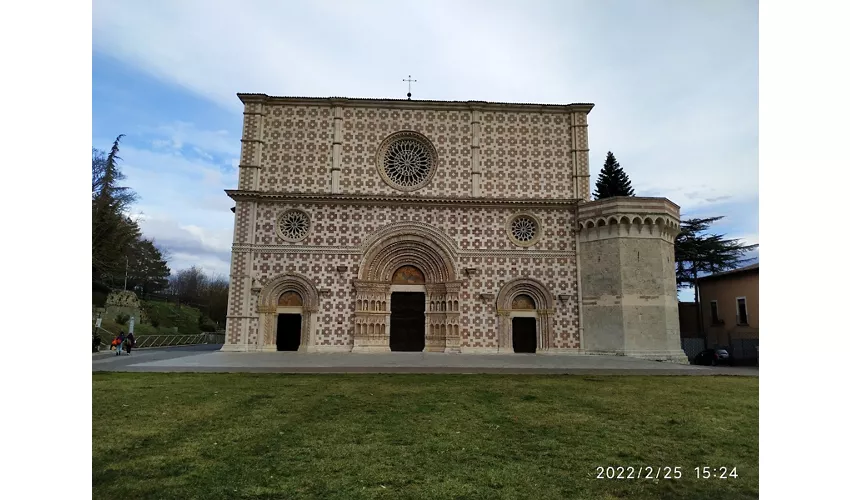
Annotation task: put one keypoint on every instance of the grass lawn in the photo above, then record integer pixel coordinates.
(346, 437)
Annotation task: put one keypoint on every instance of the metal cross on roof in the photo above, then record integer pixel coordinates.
(409, 83)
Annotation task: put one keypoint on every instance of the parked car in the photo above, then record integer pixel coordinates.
(712, 357)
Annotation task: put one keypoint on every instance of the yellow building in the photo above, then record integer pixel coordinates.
(730, 310)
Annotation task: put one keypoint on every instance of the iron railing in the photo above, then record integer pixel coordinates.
(172, 339)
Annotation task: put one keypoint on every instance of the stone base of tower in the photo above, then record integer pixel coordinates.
(628, 278)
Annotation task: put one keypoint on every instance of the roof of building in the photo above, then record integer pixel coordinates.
(247, 96)
(745, 269)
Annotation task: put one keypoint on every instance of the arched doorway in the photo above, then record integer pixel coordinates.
(524, 327)
(524, 309)
(288, 307)
(407, 311)
(289, 312)
(409, 269)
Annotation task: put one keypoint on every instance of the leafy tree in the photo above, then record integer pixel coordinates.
(613, 180)
(699, 253)
(209, 293)
(188, 284)
(214, 296)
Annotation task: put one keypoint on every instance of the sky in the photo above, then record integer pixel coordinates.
(674, 83)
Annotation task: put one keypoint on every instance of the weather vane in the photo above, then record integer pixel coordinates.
(409, 83)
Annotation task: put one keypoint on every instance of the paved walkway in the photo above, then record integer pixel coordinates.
(207, 358)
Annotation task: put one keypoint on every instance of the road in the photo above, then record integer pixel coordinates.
(207, 358)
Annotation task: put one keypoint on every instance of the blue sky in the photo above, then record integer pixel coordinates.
(675, 85)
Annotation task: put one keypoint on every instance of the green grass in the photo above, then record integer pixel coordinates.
(169, 315)
(224, 436)
(166, 315)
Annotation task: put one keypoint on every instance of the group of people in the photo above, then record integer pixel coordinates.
(121, 342)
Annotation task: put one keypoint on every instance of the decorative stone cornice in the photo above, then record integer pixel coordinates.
(337, 250)
(364, 199)
(350, 102)
(618, 205)
(628, 217)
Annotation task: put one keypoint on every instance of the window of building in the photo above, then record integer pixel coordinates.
(742, 311)
(407, 160)
(715, 319)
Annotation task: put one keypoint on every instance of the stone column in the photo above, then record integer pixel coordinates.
(242, 320)
(544, 323)
(579, 156)
(336, 160)
(628, 278)
(476, 153)
(503, 323)
(266, 337)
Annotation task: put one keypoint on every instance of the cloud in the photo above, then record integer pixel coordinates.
(205, 143)
(189, 246)
(182, 205)
(675, 83)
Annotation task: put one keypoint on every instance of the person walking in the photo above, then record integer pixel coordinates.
(120, 344)
(131, 342)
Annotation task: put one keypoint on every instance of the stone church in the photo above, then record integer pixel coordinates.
(375, 225)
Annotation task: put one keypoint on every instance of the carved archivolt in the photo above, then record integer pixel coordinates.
(521, 295)
(408, 227)
(531, 289)
(405, 245)
(277, 287)
(287, 290)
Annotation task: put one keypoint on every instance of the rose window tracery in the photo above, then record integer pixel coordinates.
(293, 225)
(523, 229)
(406, 161)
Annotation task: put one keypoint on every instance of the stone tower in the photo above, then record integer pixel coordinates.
(628, 277)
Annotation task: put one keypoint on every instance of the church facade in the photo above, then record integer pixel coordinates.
(375, 225)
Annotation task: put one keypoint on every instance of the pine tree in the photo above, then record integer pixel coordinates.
(112, 230)
(698, 254)
(148, 270)
(612, 180)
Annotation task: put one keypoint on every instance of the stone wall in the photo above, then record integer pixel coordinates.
(340, 235)
(628, 277)
(289, 145)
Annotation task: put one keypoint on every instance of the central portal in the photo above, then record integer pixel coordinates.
(288, 332)
(525, 335)
(407, 321)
